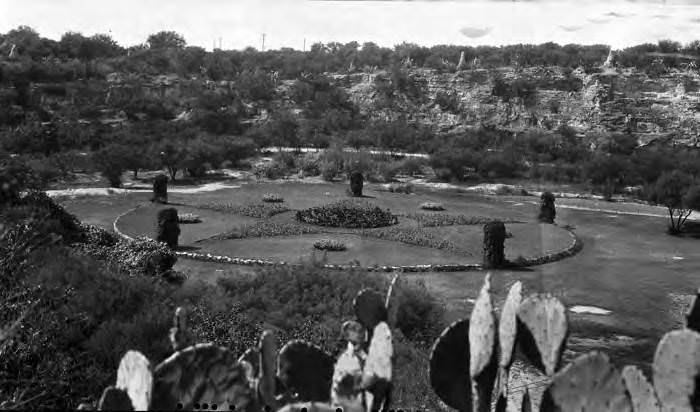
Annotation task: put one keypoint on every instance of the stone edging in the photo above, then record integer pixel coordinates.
(574, 247)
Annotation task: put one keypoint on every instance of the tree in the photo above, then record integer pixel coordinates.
(609, 171)
(673, 190)
(166, 40)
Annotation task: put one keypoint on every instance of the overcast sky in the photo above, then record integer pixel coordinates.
(286, 23)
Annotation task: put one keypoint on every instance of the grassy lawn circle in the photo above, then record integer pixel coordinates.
(460, 243)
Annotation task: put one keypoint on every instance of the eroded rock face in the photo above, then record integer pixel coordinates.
(611, 100)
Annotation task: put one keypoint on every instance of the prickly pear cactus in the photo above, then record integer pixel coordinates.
(308, 407)
(449, 366)
(641, 392)
(542, 331)
(114, 399)
(134, 376)
(507, 332)
(693, 315)
(482, 348)
(677, 369)
(204, 373)
(589, 383)
(306, 370)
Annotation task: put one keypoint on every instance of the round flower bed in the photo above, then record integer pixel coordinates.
(330, 245)
(347, 214)
(272, 198)
(432, 206)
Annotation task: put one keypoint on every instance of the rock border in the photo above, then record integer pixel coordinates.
(574, 247)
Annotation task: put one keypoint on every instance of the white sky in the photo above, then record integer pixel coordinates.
(287, 23)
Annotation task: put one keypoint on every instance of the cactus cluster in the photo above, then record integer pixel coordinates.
(535, 330)
(299, 376)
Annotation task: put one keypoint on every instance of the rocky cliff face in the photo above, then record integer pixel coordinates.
(611, 100)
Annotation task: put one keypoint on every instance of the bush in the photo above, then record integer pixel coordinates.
(141, 256)
(87, 317)
(329, 244)
(272, 198)
(405, 188)
(329, 170)
(309, 164)
(432, 206)
(348, 215)
(272, 170)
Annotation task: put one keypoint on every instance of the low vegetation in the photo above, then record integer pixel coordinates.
(432, 206)
(416, 236)
(257, 210)
(330, 245)
(347, 214)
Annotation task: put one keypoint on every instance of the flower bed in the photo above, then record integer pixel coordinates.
(432, 206)
(272, 198)
(347, 214)
(439, 219)
(264, 229)
(329, 244)
(415, 236)
(257, 210)
(188, 218)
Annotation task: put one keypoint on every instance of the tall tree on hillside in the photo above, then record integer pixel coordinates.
(166, 40)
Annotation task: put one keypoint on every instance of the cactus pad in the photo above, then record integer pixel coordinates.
(252, 356)
(589, 383)
(135, 378)
(267, 352)
(306, 370)
(393, 300)
(542, 331)
(641, 392)
(370, 308)
(693, 316)
(114, 399)
(508, 326)
(482, 346)
(179, 334)
(449, 366)
(203, 373)
(676, 369)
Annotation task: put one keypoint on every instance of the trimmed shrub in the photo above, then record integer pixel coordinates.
(432, 206)
(494, 244)
(356, 183)
(347, 214)
(160, 189)
(272, 198)
(547, 210)
(329, 244)
(168, 227)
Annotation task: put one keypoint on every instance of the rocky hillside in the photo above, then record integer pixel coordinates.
(613, 100)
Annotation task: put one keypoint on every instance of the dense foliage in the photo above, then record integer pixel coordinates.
(347, 214)
(330, 245)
